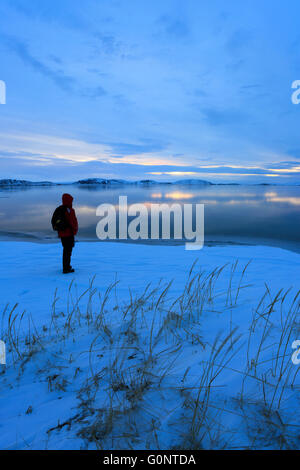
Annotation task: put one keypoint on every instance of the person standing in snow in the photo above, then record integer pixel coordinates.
(67, 234)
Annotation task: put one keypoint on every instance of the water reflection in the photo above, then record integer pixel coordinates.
(274, 197)
(179, 195)
(231, 212)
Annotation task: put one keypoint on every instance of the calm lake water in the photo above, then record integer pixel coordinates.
(233, 214)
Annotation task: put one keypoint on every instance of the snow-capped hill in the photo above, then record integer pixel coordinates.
(152, 182)
(13, 182)
(146, 182)
(103, 181)
(96, 181)
(193, 182)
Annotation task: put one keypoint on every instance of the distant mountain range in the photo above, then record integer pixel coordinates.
(12, 182)
(98, 182)
(89, 182)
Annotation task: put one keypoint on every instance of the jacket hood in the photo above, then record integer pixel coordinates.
(67, 200)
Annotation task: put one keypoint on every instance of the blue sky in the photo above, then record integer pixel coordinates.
(150, 89)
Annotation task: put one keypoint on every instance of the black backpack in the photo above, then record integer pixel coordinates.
(59, 221)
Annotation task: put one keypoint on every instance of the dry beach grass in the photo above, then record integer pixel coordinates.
(148, 372)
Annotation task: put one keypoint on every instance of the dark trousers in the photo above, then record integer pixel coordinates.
(68, 244)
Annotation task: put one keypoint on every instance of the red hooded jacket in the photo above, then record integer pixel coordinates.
(67, 201)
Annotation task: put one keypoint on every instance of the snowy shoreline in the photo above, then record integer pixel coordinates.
(19, 259)
(51, 374)
(210, 241)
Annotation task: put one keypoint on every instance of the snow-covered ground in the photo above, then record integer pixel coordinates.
(204, 362)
